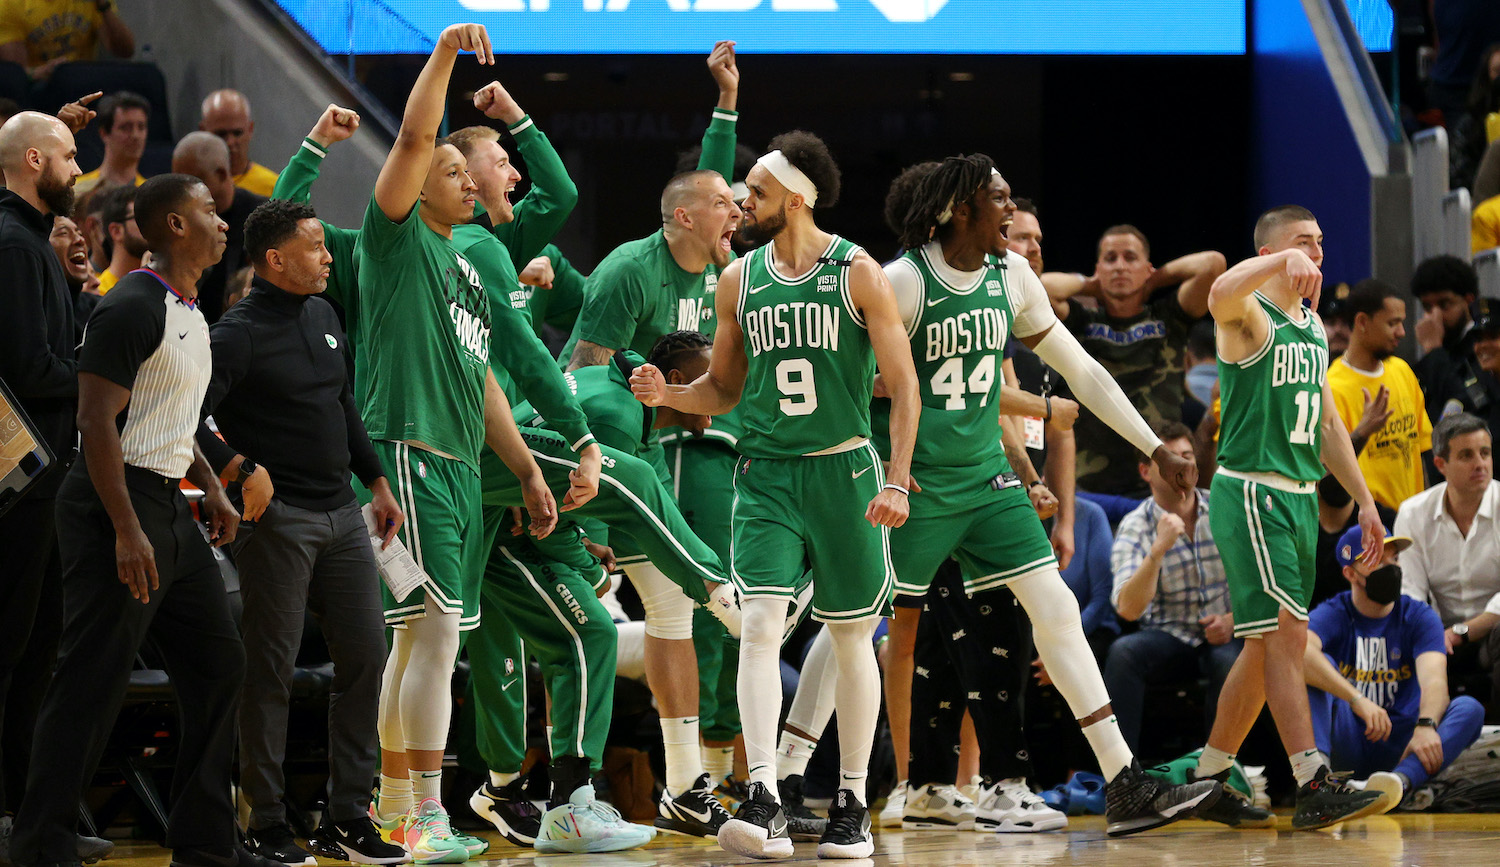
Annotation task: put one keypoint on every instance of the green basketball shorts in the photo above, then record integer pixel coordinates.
(1268, 538)
(444, 531)
(996, 541)
(794, 514)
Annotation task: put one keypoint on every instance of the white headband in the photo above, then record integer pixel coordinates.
(790, 176)
(947, 215)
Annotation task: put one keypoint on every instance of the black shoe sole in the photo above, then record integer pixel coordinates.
(684, 828)
(1368, 809)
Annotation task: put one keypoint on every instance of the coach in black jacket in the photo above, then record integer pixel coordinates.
(281, 398)
(37, 340)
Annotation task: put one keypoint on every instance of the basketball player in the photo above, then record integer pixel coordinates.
(802, 322)
(1277, 433)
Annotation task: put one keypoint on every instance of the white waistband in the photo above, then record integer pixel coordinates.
(848, 445)
(1272, 480)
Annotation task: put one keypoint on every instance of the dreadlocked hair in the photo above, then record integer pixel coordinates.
(669, 351)
(956, 181)
(898, 199)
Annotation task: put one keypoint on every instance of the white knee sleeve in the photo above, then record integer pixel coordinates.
(1060, 642)
(630, 657)
(388, 723)
(669, 611)
(759, 684)
(426, 686)
(813, 705)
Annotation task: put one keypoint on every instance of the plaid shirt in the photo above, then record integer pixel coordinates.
(1191, 583)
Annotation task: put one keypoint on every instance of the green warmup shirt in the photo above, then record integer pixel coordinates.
(423, 331)
(958, 324)
(810, 364)
(1272, 401)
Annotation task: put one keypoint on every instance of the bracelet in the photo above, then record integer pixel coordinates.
(892, 486)
(1047, 398)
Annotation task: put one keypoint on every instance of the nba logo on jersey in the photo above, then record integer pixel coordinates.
(1268, 502)
(510, 666)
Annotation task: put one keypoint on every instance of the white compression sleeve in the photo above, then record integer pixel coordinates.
(759, 685)
(1058, 632)
(669, 611)
(858, 689)
(1095, 388)
(813, 705)
(426, 687)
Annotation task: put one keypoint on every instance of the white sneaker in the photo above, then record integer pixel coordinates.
(586, 824)
(724, 603)
(895, 805)
(1010, 807)
(935, 807)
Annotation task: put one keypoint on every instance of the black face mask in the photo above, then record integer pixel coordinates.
(1383, 586)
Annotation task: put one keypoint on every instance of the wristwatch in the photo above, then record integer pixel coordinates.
(1461, 631)
(247, 469)
(1427, 721)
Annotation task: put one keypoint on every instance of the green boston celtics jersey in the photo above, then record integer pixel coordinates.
(810, 366)
(1272, 402)
(958, 339)
(422, 337)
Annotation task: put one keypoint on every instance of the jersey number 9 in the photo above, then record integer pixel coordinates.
(794, 378)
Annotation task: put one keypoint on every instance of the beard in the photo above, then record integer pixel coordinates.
(136, 247)
(764, 229)
(56, 193)
(1382, 354)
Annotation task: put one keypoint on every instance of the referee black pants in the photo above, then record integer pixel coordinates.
(30, 620)
(187, 621)
(972, 653)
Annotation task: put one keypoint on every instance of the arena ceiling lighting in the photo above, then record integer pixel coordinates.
(785, 26)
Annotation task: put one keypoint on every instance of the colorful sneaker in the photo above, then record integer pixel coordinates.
(277, 844)
(476, 845)
(1329, 799)
(357, 840)
(1010, 807)
(848, 831)
(895, 807)
(391, 830)
(1231, 809)
(429, 836)
(509, 810)
(586, 824)
(935, 807)
(724, 604)
(732, 792)
(759, 827)
(801, 823)
(1135, 801)
(694, 813)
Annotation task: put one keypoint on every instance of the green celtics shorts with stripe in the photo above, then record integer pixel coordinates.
(794, 514)
(994, 535)
(1266, 528)
(444, 531)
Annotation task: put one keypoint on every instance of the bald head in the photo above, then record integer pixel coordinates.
(686, 189)
(37, 161)
(205, 156)
(226, 114)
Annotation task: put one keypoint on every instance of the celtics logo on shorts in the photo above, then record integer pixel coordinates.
(422, 469)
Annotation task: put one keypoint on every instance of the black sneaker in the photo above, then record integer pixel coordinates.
(1230, 809)
(507, 808)
(803, 824)
(276, 843)
(239, 856)
(356, 840)
(1329, 799)
(694, 813)
(1135, 801)
(91, 850)
(848, 831)
(759, 827)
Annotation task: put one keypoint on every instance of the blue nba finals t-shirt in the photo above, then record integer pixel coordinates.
(1379, 656)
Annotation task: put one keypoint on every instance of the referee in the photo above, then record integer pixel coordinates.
(281, 397)
(122, 520)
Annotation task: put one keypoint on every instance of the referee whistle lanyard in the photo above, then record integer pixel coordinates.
(189, 303)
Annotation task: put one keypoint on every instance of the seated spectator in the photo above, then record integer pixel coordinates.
(1454, 560)
(1336, 324)
(116, 209)
(43, 36)
(122, 125)
(1378, 397)
(226, 114)
(1140, 342)
(1486, 346)
(1168, 578)
(205, 156)
(1202, 362)
(1446, 286)
(1467, 134)
(1484, 226)
(1377, 678)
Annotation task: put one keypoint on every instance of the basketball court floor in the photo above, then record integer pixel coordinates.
(1386, 841)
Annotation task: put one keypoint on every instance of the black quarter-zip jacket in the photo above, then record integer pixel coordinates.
(281, 396)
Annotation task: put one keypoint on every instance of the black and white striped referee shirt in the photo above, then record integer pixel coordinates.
(146, 337)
